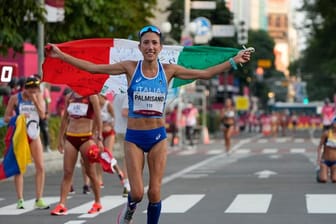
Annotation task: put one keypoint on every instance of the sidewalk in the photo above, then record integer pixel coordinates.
(53, 161)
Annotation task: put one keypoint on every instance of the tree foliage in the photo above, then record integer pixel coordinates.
(259, 39)
(15, 23)
(318, 61)
(83, 19)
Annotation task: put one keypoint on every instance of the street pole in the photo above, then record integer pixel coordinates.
(186, 15)
(40, 42)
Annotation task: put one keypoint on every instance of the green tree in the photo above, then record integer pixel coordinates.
(101, 18)
(259, 39)
(264, 46)
(318, 61)
(15, 23)
(83, 19)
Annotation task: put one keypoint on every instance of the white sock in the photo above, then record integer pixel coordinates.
(127, 185)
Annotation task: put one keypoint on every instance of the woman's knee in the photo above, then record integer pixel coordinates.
(137, 195)
(39, 167)
(154, 194)
(68, 173)
(322, 176)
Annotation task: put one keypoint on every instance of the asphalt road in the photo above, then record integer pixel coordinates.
(265, 180)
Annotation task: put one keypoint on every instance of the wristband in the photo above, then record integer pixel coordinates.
(233, 64)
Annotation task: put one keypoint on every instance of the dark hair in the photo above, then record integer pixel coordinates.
(13, 83)
(37, 76)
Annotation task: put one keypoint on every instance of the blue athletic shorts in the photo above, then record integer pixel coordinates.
(145, 139)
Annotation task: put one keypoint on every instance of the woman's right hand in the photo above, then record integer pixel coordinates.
(318, 162)
(60, 147)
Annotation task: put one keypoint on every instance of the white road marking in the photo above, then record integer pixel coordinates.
(29, 206)
(269, 151)
(194, 175)
(187, 152)
(180, 203)
(298, 150)
(299, 140)
(281, 140)
(321, 203)
(215, 151)
(265, 174)
(242, 151)
(75, 222)
(262, 141)
(250, 203)
(108, 203)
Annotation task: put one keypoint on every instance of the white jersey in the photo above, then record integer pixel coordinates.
(105, 114)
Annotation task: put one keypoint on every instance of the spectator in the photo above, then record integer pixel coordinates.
(174, 126)
(328, 113)
(44, 122)
(191, 114)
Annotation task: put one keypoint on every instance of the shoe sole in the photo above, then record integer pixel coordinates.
(43, 208)
(120, 214)
(59, 214)
(93, 212)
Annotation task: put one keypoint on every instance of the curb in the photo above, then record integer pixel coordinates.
(53, 162)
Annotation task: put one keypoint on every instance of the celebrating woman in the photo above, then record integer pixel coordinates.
(148, 81)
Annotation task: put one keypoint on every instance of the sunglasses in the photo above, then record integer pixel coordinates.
(146, 29)
(32, 84)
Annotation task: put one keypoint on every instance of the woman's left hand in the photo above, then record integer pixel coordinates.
(243, 56)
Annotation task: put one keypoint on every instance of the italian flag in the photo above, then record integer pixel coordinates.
(108, 50)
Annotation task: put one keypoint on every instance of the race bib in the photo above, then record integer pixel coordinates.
(148, 103)
(33, 129)
(78, 109)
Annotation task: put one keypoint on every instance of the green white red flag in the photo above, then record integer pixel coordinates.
(108, 50)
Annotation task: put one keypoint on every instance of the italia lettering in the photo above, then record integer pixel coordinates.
(148, 89)
(6, 73)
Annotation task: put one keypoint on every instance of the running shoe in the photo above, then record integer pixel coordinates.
(40, 204)
(96, 207)
(125, 216)
(19, 204)
(72, 190)
(86, 189)
(125, 193)
(59, 210)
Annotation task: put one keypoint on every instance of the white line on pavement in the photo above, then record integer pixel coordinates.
(269, 151)
(108, 203)
(321, 203)
(29, 206)
(250, 203)
(298, 150)
(180, 203)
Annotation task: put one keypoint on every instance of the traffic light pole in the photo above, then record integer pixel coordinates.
(40, 42)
